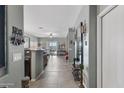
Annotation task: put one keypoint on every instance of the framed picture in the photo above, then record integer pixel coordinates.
(27, 42)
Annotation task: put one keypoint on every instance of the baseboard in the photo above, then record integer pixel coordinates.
(84, 85)
(33, 80)
(39, 75)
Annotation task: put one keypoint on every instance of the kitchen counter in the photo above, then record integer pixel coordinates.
(38, 61)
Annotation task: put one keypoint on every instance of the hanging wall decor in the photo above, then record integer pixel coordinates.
(27, 42)
(71, 41)
(85, 32)
(17, 37)
(85, 29)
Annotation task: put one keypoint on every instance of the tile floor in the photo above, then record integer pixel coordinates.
(57, 74)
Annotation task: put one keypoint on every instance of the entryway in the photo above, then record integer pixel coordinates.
(110, 47)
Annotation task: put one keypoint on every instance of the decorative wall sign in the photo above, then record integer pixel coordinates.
(85, 29)
(17, 37)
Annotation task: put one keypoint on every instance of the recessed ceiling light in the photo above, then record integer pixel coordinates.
(40, 27)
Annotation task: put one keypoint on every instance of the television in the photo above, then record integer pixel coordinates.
(2, 40)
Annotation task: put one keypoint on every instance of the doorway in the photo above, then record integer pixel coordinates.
(53, 46)
(110, 47)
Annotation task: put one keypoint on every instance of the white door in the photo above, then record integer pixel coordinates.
(113, 48)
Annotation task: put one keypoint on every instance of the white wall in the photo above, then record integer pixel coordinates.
(84, 15)
(71, 45)
(33, 40)
(15, 69)
(113, 48)
(100, 8)
(45, 41)
(88, 14)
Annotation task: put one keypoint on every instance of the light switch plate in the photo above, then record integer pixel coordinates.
(17, 57)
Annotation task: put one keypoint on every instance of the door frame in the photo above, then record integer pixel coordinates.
(99, 44)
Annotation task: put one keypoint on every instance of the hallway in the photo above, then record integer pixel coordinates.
(89, 36)
(58, 74)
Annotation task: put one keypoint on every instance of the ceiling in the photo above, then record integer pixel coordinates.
(42, 20)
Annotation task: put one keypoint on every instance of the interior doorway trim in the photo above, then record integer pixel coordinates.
(99, 44)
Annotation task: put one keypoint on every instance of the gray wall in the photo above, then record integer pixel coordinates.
(37, 64)
(15, 69)
(92, 47)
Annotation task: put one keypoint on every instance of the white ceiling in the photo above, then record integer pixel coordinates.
(55, 19)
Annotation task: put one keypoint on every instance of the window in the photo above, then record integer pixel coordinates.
(53, 44)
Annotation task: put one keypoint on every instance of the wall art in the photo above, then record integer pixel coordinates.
(17, 37)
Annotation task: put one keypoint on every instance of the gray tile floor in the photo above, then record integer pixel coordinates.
(58, 74)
